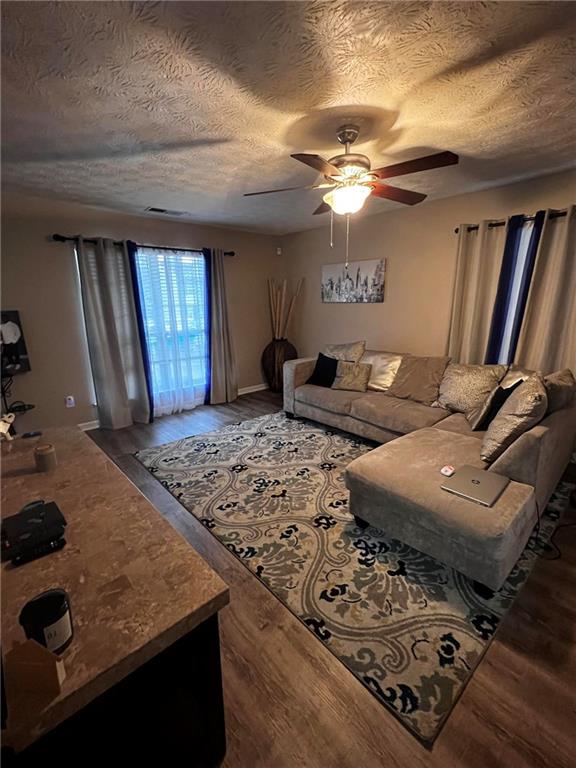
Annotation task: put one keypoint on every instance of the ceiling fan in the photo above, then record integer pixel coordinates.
(351, 180)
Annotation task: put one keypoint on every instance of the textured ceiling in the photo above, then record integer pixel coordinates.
(187, 105)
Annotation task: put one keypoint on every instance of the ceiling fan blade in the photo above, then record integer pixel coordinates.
(318, 163)
(288, 189)
(405, 196)
(439, 160)
(322, 208)
(271, 191)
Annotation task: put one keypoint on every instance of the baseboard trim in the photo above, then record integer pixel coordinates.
(88, 425)
(255, 388)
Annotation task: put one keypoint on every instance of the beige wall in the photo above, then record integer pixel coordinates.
(419, 245)
(39, 279)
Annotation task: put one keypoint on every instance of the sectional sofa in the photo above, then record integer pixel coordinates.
(396, 487)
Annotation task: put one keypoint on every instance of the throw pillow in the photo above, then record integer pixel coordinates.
(324, 371)
(384, 368)
(515, 373)
(352, 376)
(464, 387)
(480, 417)
(525, 407)
(418, 378)
(351, 352)
(560, 388)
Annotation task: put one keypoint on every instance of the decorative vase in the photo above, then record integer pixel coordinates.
(273, 359)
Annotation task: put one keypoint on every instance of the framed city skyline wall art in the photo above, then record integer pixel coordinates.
(361, 282)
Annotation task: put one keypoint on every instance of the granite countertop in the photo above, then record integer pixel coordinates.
(135, 585)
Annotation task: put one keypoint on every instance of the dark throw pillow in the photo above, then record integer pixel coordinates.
(324, 371)
(488, 411)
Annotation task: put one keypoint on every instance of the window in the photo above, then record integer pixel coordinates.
(173, 288)
(521, 265)
(519, 258)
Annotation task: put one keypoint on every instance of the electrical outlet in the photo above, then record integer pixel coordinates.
(70, 402)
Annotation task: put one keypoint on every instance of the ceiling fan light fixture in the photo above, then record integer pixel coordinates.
(347, 199)
(351, 171)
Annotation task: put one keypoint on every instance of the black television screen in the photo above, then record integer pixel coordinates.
(14, 353)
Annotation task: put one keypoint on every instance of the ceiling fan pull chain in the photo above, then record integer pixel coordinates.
(347, 236)
(331, 228)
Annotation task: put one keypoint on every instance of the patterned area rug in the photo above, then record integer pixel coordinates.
(411, 629)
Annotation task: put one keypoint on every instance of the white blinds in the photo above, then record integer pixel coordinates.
(174, 297)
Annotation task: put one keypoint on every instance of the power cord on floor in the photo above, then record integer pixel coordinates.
(538, 518)
(551, 544)
(557, 552)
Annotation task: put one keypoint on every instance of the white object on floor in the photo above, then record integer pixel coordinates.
(448, 470)
(5, 423)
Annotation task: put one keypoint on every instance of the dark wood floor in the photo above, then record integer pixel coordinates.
(290, 702)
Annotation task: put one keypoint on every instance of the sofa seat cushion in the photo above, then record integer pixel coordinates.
(395, 414)
(459, 424)
(333, 400)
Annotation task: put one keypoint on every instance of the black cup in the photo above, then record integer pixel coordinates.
(47, 618)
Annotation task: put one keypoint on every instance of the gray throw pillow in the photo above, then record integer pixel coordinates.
(351, 352)
(560, 388)
(384, 368)
(516, 373)
(418, 378)
(352, 376)
(525, 407)
(464, 387)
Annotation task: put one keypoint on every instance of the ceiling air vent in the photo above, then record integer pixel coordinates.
(165, 211)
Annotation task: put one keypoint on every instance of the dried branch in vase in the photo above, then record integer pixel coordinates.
(279, 350)
(280, 319)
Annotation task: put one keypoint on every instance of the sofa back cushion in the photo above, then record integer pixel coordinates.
(351, 352)
(352, 376)
(384, 368)
(560, 388)
(464, 387)
(418, 378)
(525, 407)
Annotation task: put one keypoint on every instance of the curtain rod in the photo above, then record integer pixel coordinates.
(553, 215)
(66, 238)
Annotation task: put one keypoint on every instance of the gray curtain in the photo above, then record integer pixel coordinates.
(223, 369)
(478, 263)
(548, 333)
(112, 332)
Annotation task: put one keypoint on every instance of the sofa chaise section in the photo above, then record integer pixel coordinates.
(397, 488)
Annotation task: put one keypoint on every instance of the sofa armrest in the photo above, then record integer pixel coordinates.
(296, 373)
(520, 461)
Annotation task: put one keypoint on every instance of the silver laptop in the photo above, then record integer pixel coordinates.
(476, 484)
